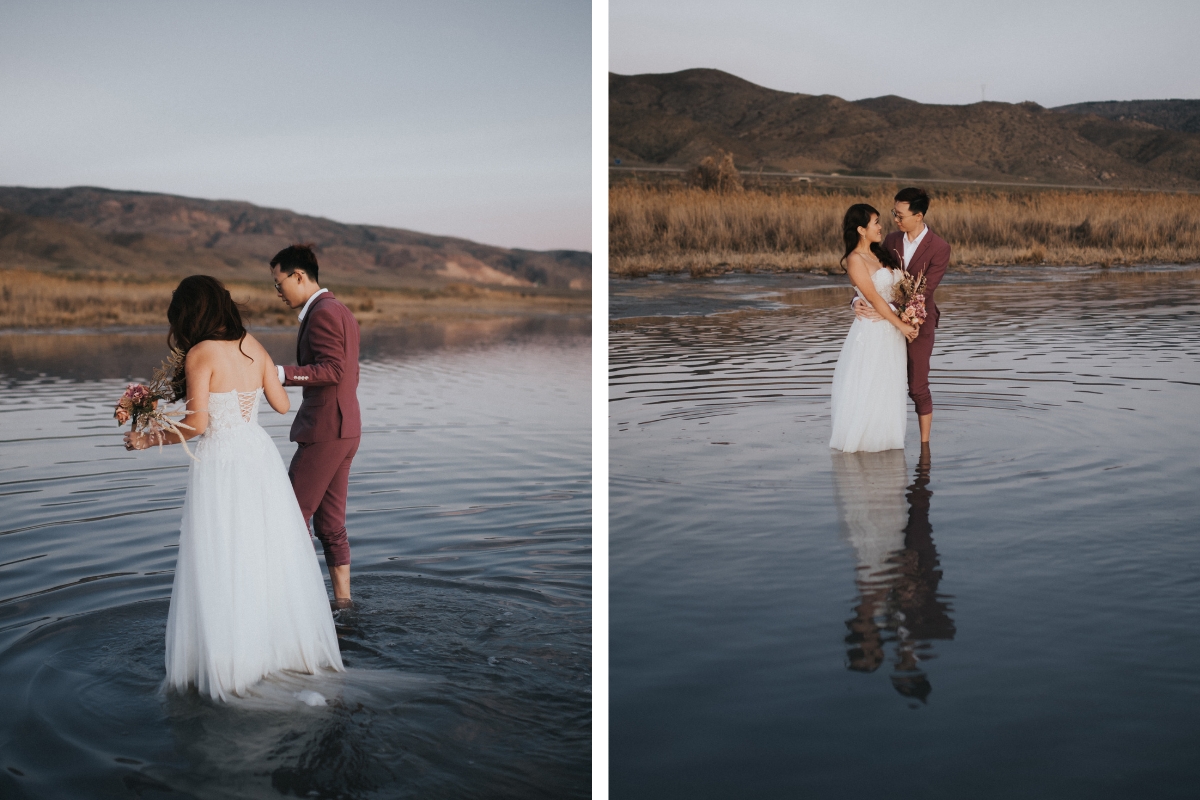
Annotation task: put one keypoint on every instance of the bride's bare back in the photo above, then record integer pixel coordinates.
(229, 367)
(232, 367)
(216, 367)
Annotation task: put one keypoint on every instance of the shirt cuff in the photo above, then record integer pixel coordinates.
(281, 376)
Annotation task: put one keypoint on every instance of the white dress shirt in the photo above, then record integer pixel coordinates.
(303, 311)
(320, 292)
(909, 247)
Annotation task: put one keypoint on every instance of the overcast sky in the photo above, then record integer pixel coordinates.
(450, 117)
(1052, 52)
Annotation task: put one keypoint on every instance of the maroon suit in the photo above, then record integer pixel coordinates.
(328, 425)
(931, 259)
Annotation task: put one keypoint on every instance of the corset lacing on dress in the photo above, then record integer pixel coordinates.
(228, 411)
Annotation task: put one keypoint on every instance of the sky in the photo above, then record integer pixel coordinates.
(1053, 52)
(468, 119)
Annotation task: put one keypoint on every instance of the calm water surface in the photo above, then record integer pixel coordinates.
(470, 523)
(1015, 613)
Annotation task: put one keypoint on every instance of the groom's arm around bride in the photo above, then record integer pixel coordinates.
(328, 425)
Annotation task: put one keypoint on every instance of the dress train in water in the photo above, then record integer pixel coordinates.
(248, 599)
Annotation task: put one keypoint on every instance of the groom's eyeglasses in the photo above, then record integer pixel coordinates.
(279, 285)
(894, 215)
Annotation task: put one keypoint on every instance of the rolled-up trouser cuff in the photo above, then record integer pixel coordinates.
(337, 548)
(320, 474)
(919, 352)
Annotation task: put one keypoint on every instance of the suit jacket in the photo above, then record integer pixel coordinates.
(327, 355)
(931, 259)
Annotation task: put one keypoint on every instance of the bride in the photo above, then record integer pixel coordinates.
(870, 381)
(248, 598)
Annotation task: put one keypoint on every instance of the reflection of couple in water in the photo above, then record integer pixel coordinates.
(898, 570)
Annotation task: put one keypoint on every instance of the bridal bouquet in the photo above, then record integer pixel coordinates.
(139, 404)
(909, 297)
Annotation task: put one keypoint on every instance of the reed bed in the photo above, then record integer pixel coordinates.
(36, 300)
(657, 228)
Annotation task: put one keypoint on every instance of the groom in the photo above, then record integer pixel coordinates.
(327, 426)
(921, 252)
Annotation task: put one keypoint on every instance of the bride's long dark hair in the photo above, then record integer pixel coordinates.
(859, 216)
(201, 308)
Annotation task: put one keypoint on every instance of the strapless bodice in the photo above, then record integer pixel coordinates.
(885, 281)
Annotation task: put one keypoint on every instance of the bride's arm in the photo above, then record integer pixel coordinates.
(198, 369)
(273, 390)
(860, 276)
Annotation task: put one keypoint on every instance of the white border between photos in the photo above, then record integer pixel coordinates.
(599, 399)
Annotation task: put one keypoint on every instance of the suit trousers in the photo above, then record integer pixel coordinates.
(320, 473)
(919, 351)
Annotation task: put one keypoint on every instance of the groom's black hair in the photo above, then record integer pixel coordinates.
(917, 199)
(298, 256)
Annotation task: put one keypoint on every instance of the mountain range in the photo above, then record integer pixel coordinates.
(678, 118)
(95, 231)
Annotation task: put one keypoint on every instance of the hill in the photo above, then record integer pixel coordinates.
(678, 118)
(102, 232)
(1172, 115)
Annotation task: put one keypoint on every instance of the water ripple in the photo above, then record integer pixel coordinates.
(792, 616)
(470, 646)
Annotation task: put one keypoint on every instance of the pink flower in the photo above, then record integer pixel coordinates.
(136, 392)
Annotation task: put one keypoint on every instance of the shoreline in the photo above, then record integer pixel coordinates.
(715, 266)
(955, 270)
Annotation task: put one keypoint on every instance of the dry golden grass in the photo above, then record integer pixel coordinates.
(35, 300)
(668, 228)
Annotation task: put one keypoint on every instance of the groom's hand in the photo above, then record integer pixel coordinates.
(863, 310)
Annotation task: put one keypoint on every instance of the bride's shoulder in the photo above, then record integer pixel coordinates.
(250, 343)
(856, 259)
(200, 351)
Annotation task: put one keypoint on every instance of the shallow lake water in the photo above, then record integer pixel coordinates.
(1013, 613)
(468, 649)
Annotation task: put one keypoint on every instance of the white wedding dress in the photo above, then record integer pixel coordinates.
(870, 382)
(248, 599)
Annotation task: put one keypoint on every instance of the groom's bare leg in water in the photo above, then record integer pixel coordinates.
(340, 577)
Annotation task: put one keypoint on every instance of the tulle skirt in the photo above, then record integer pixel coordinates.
(249, 598)
(870, 388)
